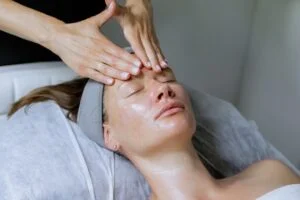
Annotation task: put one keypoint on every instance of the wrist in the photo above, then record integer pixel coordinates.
(50, 31)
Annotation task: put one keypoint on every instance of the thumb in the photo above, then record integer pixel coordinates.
(119, 9)
(107, 2)
(105, 15)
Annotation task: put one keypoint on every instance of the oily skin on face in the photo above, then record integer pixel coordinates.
(132, 108)
(161, 147)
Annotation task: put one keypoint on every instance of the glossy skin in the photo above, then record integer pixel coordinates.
(134, 105)
(161, 147)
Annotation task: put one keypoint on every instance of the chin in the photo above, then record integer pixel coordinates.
(179, 124)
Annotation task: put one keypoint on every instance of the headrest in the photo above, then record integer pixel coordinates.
(90, 110)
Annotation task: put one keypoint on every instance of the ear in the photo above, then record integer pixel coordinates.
(109, 141)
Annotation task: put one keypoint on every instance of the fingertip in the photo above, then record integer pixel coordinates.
(135, 71)
(158, 68)
(148, 64)
(125, 75)
(110, 81)
(111, 7)
(141, 55)
(164, 64)
(137, 63)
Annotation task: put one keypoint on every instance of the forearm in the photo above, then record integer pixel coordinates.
(25, 22)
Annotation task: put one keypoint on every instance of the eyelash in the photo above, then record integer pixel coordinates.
(134, 92)
(137, 91)
(170, 81)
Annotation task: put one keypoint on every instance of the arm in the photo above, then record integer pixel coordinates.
(15, 18)
(80, 45)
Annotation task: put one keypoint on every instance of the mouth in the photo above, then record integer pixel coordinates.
(170, 109)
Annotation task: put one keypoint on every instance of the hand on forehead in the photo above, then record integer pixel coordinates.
(148, 73)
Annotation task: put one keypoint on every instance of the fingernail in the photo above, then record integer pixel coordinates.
(135, 70)
(158, 68)
(110, 81)
(137, 63)
(164, 64)
(125, 75)
(148, 64)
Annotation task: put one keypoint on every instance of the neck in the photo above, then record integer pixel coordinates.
(177, 174)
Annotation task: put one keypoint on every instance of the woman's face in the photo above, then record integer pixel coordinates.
(148, 113)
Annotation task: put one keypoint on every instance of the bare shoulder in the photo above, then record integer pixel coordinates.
(275, 171)
(261, 178)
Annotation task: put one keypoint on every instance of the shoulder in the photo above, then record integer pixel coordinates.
(263, 177)
(275, 171)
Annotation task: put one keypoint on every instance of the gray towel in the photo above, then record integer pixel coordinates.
(45, 156)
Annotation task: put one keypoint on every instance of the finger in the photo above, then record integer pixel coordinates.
(110, 72)
(151, 54)
(118, 63)
(161, 59)
(105, 15)
(107, 2)
(119, 9)
(155, 43)
(85, 71)
(137, 46)
(122, 54)
(163, 63)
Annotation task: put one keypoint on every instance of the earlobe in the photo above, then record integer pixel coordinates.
(116, 147)
(109, 141)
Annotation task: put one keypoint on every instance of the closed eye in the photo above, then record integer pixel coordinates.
(134, 92)
(168, 80)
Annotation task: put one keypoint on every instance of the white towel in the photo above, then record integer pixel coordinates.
(288, 192)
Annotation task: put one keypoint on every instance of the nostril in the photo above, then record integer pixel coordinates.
(160, 95)
(171, 93)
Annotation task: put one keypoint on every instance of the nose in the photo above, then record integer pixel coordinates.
(164, 92)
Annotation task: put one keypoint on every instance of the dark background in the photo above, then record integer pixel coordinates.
(14, 50)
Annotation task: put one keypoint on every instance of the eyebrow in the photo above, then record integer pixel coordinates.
(139, 76)
(165, 72)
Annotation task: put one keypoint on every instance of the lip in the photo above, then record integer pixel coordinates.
(168, 109)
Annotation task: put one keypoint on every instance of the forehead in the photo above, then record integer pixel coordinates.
(111, 91)
(144, 73)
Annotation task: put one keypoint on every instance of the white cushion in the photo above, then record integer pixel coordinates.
(17, 80)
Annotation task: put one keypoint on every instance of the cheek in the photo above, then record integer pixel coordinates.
(132, 117)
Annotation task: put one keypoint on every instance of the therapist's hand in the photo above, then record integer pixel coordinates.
(136, 20)
(89, 53)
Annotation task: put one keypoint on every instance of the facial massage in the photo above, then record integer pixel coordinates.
(138, 139)
(126, 128)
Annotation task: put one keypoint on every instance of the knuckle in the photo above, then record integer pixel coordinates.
(127, 32)
(114, 62)
(110, 60)
(105, 70)
(82, 69)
